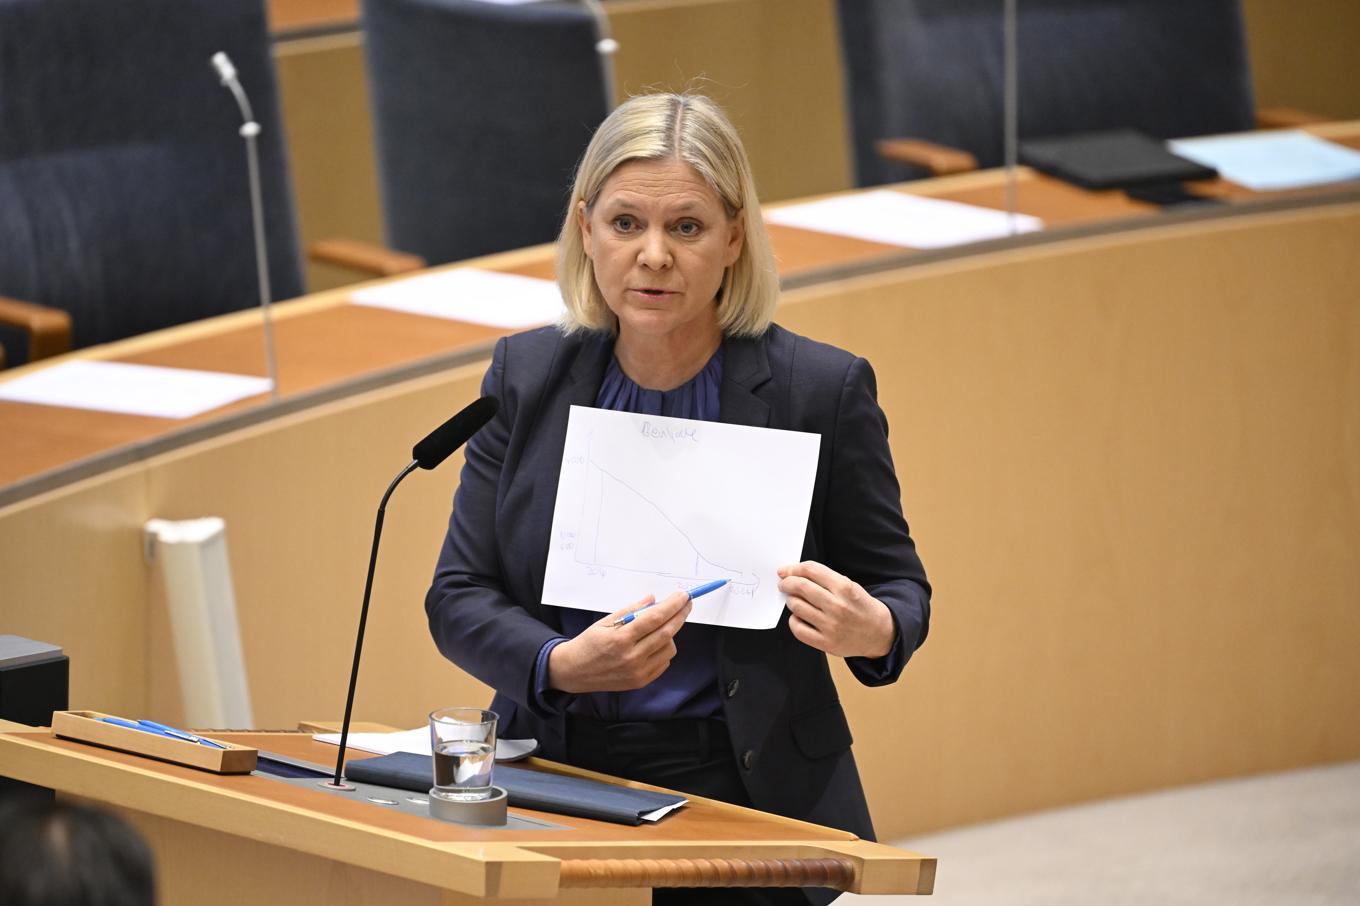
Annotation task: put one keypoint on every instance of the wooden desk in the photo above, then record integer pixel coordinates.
(324, 343)
(229, 839)
(1124, 449)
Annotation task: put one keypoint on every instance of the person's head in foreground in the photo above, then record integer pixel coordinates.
(63, 854)
(663, 242)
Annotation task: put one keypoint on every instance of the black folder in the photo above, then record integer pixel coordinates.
(537, 790)
(1118, 159)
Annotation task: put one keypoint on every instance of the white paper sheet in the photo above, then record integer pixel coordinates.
(1271, 161)
(897, 218)
(417, 742)
(469, 294)
(651, 505)
(132, 389)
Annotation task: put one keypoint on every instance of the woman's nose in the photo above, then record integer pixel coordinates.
(655, 252)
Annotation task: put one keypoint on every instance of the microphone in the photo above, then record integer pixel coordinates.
(436, 447)
(250, 131)
(442, 441)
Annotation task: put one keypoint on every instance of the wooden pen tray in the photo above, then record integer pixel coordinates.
(86, 726)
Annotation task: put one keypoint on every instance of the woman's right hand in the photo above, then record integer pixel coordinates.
(609, 658)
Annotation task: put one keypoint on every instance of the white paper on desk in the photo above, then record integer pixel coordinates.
(469, 294)
(651, 505)
(132, 389)
(898, 218)
(1271, 161)
(417, 742)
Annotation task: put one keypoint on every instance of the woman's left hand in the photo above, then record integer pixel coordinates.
(833, 613)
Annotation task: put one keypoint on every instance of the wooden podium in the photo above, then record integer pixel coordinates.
(231, 839)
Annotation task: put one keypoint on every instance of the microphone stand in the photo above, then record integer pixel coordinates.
(336, 783)
(605, 46)
(250, 131)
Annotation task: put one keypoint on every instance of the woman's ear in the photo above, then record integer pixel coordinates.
(735, 239)
(583, 221)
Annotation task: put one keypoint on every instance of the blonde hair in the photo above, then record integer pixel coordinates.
(691, 128)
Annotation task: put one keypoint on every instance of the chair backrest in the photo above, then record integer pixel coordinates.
(932, 69)
(481, 112)
(124, 195)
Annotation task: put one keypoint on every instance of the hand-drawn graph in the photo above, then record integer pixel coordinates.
(648, 505)
(605, 537)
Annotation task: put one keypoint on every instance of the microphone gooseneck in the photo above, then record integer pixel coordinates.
(605, 46)
(428, 453)
(250, 131)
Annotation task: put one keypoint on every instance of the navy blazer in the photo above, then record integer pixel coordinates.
(781, 706)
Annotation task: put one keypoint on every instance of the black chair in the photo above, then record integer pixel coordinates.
(932, 70)
(123, 184)
(481, 113)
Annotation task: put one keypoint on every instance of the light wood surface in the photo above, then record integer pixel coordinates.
(1131, 465)
(237, 820)
(294, 15)
(1303, 55)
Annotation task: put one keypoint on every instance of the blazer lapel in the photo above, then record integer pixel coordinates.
(543, 466)
(746, 379)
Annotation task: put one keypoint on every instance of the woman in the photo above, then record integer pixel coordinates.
(670, 287)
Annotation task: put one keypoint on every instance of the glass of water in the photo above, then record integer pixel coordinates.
(464, 744)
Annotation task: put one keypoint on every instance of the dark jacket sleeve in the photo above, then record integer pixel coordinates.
(866, 536)
(472, 618)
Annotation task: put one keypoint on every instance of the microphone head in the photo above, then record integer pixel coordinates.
(225, 70)
(442, 441)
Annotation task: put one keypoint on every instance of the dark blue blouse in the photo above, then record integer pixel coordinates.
(689, 687)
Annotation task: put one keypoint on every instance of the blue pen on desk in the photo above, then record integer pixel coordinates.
(133, 725)
(697, 591)
(180, 734)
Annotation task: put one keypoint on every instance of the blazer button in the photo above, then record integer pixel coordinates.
(748, 758)
(732, 688)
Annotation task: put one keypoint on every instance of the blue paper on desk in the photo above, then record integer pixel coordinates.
(537, 790)
(1271, 161)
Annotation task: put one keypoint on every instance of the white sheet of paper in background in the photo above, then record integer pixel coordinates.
(1273, 160)
(469, 294)
(132, 389)
(651, 505)
(897, 218)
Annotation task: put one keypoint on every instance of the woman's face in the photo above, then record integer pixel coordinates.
(660, 241)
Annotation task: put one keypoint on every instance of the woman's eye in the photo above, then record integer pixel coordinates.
(688, 228)
(624, 224)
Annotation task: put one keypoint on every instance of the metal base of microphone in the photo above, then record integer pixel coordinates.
(339, 787)
(489, 812)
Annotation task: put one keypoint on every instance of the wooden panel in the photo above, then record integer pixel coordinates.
(774, 65)
(1303, 55)
(324, 92)
(1133, 465)
(72, 574)
(292, 15)
(298, 496)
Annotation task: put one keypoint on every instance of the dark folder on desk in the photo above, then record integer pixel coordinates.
(537, 790)
(1118, 159)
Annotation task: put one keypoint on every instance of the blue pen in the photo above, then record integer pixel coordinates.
(180, 734)
(697, 591)
(133, 725)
